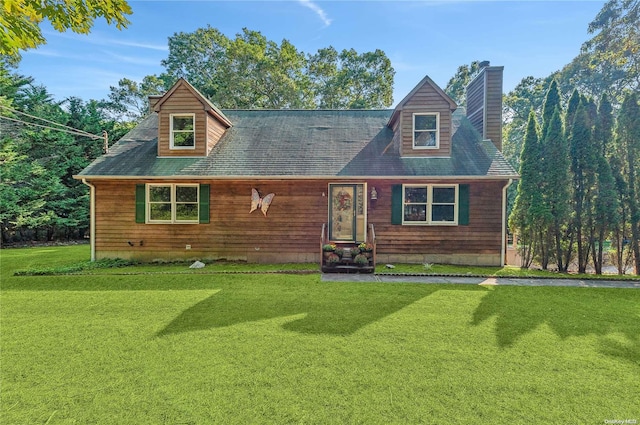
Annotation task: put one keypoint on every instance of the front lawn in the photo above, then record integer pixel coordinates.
(270, 348)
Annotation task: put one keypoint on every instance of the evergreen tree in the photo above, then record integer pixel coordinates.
(606, 198)
(551, 103)
(523, 219)
(547, 169)
(557, 188)
(628, 144)
(582, 166)
(572, 107)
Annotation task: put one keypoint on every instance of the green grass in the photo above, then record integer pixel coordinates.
(267, 348)
(507, 271)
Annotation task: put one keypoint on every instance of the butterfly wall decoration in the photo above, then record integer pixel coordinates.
(262, 203)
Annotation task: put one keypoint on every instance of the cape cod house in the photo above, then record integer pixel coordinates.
(424, 182)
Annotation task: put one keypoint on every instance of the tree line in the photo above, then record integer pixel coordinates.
(578, 189)
(252, 72)
(40, 200)
(607, 69)
(575, 137)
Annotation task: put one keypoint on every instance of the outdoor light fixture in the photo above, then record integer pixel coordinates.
(374, 194)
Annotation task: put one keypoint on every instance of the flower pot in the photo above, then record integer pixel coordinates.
(361, 260)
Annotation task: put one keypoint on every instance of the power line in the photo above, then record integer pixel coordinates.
(71, 130)
(74, 131)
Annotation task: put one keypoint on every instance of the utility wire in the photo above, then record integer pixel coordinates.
(74, 131)
(70, 130)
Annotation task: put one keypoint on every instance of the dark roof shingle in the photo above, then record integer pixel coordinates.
(306, 143)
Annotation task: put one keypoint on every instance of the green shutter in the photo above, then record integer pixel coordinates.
(204, 203)
(396, 204)
(141, 204)
(463, 204)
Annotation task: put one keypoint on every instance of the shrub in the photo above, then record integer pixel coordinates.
(361, 260)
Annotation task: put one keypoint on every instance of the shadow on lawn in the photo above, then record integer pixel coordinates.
(569, 312)
(329, 309)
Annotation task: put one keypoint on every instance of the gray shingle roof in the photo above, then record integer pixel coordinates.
(305, 143)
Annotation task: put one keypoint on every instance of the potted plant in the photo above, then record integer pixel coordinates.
(361, 260)
(332, 259)
(328, 249)
(366, 249)
(355, 251)
(339, 251)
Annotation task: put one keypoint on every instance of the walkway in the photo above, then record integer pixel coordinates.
(492, 281)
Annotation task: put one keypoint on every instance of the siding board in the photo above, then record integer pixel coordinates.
(291, 230)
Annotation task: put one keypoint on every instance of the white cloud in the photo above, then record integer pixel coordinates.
(318, 11)
(98, 39)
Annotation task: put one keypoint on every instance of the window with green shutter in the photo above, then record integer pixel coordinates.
(430, 204)
(172, 203)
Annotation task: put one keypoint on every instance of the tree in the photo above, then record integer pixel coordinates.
(614, 50)
(40, 198)
(628, 145)
(457, 86)
(246, 72)
(524, 219)
(583, 168)
(551, 104)
(528, 95)
(129, 101)
(552, 170)
(556, 189)
(323, 68)
(572, 107)
(606, 200)
(201, 58)
(20, 20)
(367, 79)
(265, 74)
(253, 72)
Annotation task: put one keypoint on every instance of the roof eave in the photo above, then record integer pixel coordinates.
(297, 177)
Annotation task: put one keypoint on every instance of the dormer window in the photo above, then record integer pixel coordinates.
(183, 131)
(426, 130)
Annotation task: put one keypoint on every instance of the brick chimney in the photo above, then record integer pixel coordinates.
(484, 102)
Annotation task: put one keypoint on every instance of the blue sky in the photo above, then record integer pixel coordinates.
(429, 37)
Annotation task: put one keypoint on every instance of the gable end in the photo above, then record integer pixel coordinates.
(188, 123)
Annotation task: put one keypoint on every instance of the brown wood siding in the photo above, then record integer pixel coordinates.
(182, 101)
(483, 235)
(215, 131)
(427, 99)
(484, 104)
(292, 226)
(493, 113)
(475, 103)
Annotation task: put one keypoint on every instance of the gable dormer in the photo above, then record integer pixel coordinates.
(422, 122)
(188, 123)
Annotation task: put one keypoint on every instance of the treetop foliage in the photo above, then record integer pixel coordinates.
(20, 20)
(252, 72)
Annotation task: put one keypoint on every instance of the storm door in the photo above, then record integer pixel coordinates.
(347, 212)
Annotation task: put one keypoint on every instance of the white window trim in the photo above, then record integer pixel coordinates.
(428, 221)
(173, 219)
(171, 145)
(437, 130)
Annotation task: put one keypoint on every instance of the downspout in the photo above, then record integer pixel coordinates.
(503, 253)
(92, 219)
